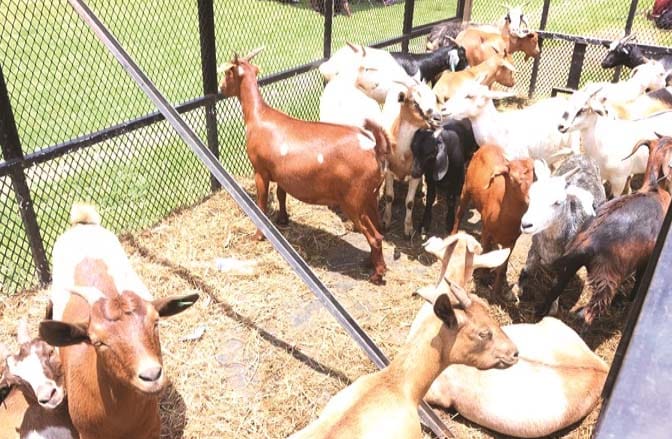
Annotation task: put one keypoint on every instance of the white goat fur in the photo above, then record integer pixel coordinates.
(343, 103)
(608, 140)
(556, 382)
(644, 78)
(77, 244)
(531, 132)
(377, 70)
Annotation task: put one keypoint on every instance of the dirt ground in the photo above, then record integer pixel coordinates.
(270, 356)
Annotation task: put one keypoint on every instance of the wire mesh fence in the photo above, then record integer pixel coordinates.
(84, 132)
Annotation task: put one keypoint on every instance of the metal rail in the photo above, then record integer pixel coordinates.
(245, 202)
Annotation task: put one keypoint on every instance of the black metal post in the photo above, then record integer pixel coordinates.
(577, 65)
(628, 29)
(537, 60)
(206, 28)
(328, 22)
(11, 150)
(409, 6)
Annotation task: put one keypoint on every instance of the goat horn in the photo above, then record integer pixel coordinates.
(352, 46)
(90, 294)
(22, 335)
(224, 67)
(638, 145)
(253, 53)
(571, 172)
(460, 294)
(660, 136)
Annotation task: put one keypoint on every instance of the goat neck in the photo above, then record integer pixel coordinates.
(250, 97)
(420, 361)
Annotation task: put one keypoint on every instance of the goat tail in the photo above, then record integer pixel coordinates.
(383, 144)
(84, 214)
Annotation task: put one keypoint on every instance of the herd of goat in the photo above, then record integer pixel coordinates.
(95, 371)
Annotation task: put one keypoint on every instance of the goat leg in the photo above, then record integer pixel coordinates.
(413, 184)
(262, 199)
(429, 204)
(565, 275)
(283, 218)
(388, 198)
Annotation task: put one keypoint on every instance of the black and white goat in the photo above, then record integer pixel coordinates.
(619, 240)
(623, 53)
(441, 156)
(428, 66)
(559, 204)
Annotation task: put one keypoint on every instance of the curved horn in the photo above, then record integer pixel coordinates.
(460, 294)
(660, 136)
(22, 335)
(253, 53)
(352, 46)
(90, 294)
(638, 145)
(571, 172)
(224, 67)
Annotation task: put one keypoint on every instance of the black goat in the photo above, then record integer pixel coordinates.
(619, 240)
(441, 156)
(428, 66)
(624, 53)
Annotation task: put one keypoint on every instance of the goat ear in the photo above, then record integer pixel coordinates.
(491, 259)
(169, 306)
(508, 65)
(57, 333)
(441, 165)
(541, 170)
(444, 310)
(499, 170)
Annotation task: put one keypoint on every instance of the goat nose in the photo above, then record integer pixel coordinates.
(524, 226)
(45, 393)
(151, 374)
(515, 354)
(562, 128)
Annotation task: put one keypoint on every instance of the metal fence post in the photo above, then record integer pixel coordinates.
(409, 7)
(537, 60)
(464, 10)
(11, 150)
(206, 28)
(628, 29)
(328, 22)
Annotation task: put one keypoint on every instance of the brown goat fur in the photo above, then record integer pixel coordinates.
(499, 190)
(315, 162)
(481, 44)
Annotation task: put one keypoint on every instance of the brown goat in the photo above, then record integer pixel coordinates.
(35, 406)
(455, 329)
(108, 338)
(620, 238)
(481, 44)
(315, 162)
(499, 191)
(498, 68)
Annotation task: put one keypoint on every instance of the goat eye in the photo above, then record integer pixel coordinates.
(485, 335)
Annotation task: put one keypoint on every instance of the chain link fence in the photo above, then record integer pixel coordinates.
(74, 127)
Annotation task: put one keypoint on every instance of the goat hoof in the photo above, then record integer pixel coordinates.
(377, 279)
(282, 220)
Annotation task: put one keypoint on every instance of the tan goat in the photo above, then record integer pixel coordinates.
(456, 329)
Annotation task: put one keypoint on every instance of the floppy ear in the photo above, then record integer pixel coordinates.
(441, 166)
(169, 306)
(491, 259)
(444, 310)
(499, 170)
(402, 97)
(57, 333)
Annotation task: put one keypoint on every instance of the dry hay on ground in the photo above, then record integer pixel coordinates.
(271, 356)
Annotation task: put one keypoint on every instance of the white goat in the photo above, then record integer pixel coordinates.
(608, 140)
(73, 257)
(644, 78)
(343, 103)
(406, 110)
(378, 72)
(527, 133)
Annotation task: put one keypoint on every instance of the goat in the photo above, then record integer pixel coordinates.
(342, 102)
(34, 407)
(108, 338)
(428, 66)
(405, 112)
(558, 206)
(644, 105)
(378, 72)
(499, 191)
(555, 383)
(607, 140)
(619, 240)
(623, 53)
(441, 156)
(644, 79)
(530, 132)
(498, 68)
(481, 44)
(454, 330)
(318, 163)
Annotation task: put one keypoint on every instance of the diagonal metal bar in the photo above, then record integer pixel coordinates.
(245, 202)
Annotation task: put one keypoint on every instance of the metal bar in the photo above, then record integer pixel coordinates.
(409, 6)
(245, 202)
(206, 31)
(628, 28)
(537, 60)
(637, 390)
(649, 48)
(574, 76)
(464, 8)
(11, 151)
(328, 22)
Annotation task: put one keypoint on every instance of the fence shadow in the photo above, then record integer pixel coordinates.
(173, 411)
